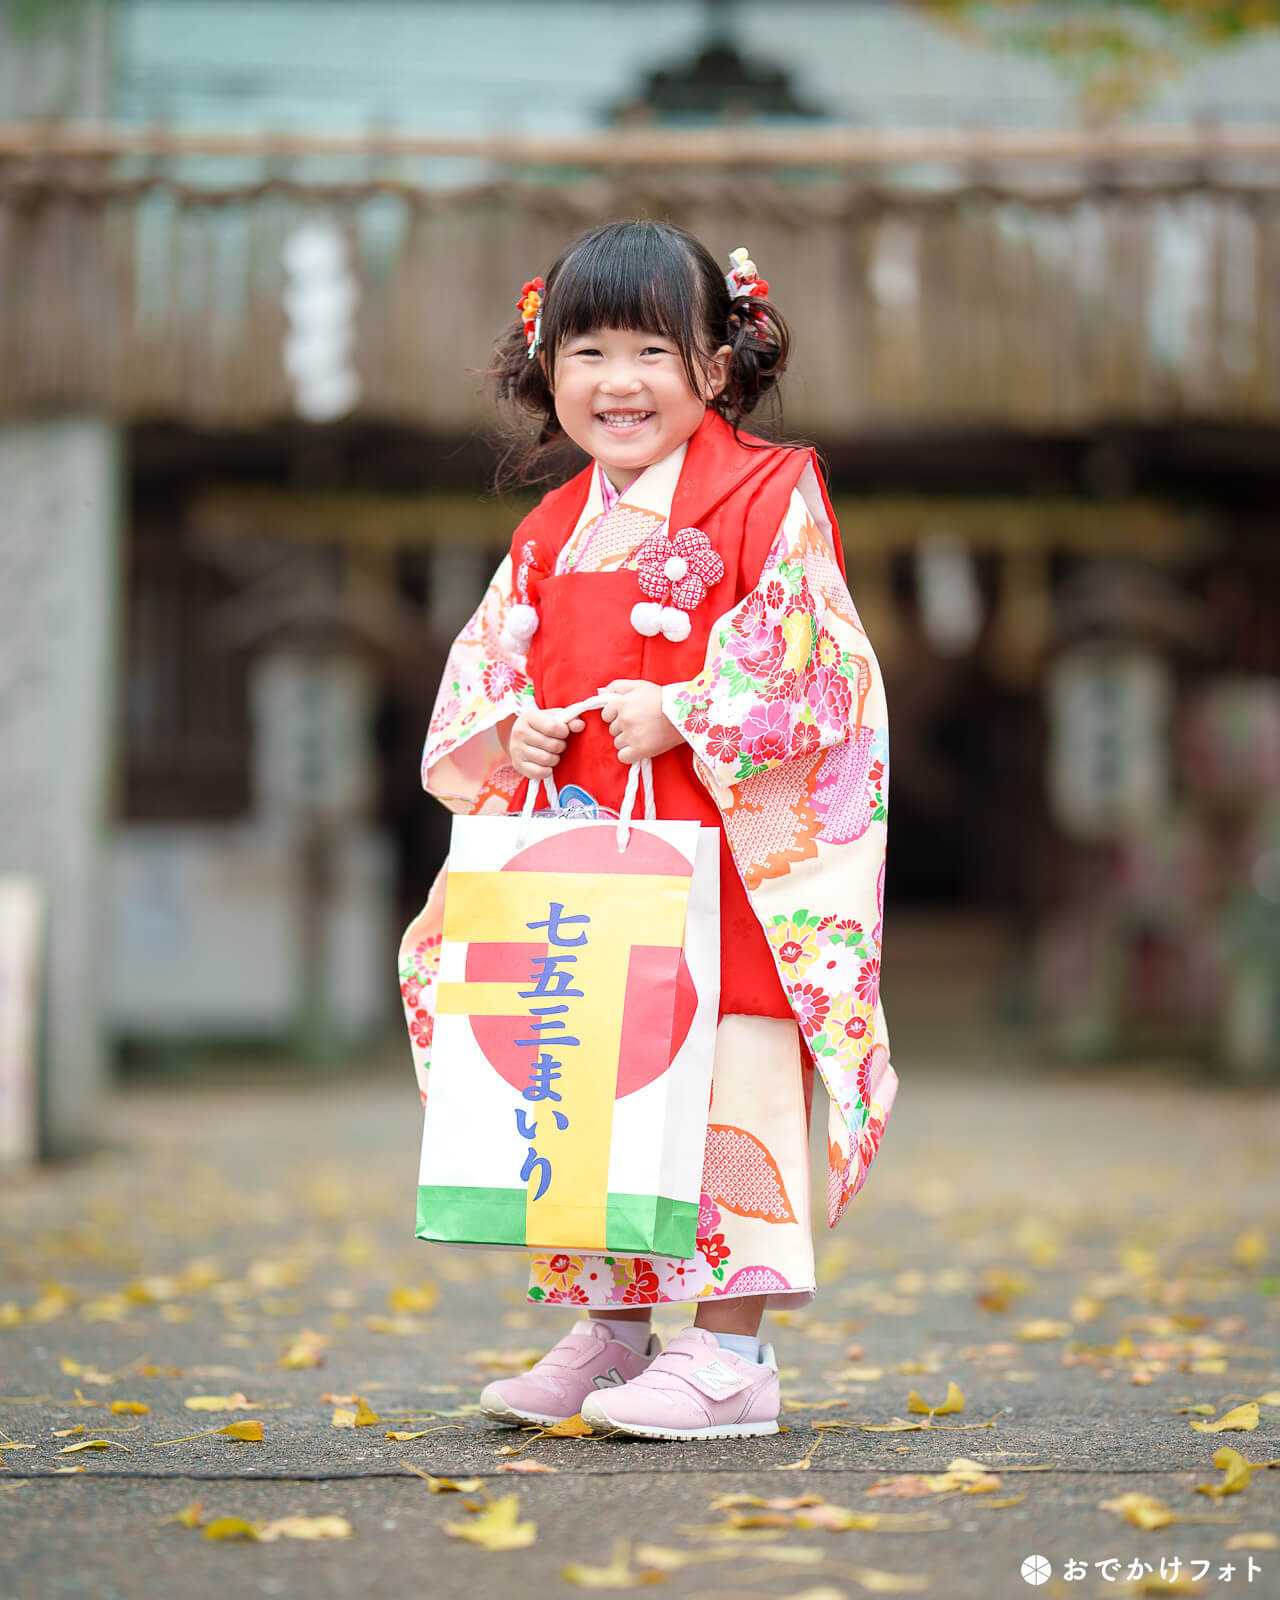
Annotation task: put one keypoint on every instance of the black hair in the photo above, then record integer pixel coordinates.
(638, 275)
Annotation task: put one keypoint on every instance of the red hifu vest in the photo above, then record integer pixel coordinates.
(737, 493)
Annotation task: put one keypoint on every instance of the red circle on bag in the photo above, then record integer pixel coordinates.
(656, 975)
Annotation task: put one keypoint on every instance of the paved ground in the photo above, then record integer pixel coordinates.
(1129, 1218)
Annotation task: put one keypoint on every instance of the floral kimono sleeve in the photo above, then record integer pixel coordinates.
(788, 725)
(787, 671)
(484, 682)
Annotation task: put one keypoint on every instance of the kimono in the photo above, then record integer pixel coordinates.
(769, 677)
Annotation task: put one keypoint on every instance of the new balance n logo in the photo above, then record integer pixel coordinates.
(717, 1377)
(608, 1380)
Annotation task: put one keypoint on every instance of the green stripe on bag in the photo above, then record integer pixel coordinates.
(649, 1224)
(636, 1224)
(455, 1215)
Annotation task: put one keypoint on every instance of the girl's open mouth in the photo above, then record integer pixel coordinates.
(623, 421)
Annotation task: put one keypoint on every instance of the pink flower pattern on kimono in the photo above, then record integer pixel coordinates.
(840, 796)
(773, 673)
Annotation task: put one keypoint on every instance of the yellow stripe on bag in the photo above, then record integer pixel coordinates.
(625, 910)
(481, 999)
(497, 907)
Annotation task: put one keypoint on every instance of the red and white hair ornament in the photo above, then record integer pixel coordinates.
(743, 278)
(521, 622)
(529, 305)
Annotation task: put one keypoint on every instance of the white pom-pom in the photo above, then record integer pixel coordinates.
(675, 624)
(676, 568)
(519, 629)
(646, 617)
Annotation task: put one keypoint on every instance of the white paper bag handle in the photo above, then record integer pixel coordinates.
(638, 772)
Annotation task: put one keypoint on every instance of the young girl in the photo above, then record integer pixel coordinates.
(693, 574)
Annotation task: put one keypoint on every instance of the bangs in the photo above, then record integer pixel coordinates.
(632, 275)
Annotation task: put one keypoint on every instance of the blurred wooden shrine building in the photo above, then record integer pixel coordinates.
(1044, 370)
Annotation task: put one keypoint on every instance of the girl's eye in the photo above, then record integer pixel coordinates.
(655, 350)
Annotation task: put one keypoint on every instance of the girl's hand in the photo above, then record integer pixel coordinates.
(538, 739)
(634, 715)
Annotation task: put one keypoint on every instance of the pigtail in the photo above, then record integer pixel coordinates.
(760, 339)
(523, 395)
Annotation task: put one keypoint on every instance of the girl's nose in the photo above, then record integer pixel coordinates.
(620, 380)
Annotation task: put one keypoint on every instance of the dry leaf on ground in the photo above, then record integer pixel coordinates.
(323, 1527)
(496, 1526)
(1244, 1418)
(1237, 1471)
(953, 1402)
(221, 1402)
(619, 1574)
(362, 1417)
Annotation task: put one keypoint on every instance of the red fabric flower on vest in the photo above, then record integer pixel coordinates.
(676, 572)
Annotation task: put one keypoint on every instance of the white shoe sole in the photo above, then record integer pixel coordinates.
(597, 1416)
(500, 1411)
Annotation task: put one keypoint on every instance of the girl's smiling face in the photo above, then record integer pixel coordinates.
(623, 396)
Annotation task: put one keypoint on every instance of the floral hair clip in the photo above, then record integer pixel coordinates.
(743, 278)
(529, 305)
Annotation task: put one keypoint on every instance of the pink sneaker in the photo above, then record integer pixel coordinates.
(586, 1359)
(696, 1389)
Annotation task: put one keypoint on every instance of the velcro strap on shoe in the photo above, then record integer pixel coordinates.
(572, 1353)
(716, 1379)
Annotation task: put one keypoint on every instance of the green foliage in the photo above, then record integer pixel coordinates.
(1115, 56)
(31, 17)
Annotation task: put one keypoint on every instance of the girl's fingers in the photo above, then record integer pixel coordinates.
(577, 725)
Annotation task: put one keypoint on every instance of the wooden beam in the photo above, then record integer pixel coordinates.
(835, 146)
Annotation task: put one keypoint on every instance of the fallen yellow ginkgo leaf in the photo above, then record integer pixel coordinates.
(454, 1485)
(302, 1353)
(1250, 1248)
(191, 1516)
(1253, 1541)
(92, 1444)
(362, 1417)
(496, 1526)
(234, 1430)
(129, 1408)
(324, 1527)
(953, 1402)
(1244, 1418)
(232, 1528)
(619, 1574)
(569, 1428)
(1237, 1471)
(1043, 1328)
(243, 1430)
(220, 1402)
(407, 1297)
(1144, 1510)
(527, 1466)
(404, 1438)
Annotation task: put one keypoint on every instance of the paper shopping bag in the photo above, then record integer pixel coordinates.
(575, 1021)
